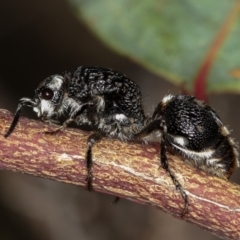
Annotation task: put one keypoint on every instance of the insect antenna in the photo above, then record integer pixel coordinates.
(22, 103)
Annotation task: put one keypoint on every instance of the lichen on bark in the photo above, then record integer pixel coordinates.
(126, 169)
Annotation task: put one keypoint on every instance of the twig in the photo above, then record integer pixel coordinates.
(128, 170)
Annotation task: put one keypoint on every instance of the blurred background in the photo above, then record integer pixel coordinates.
(41, 38)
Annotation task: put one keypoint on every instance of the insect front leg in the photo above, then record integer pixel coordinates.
(62, 127)
(74, 114)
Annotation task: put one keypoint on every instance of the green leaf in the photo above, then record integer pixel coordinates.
(175, 39)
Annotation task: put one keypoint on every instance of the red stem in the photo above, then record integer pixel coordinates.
(200, 81)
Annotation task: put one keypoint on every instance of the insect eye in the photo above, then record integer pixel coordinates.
(47, 94)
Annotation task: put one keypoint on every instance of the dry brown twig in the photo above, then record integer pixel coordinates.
(128, 170)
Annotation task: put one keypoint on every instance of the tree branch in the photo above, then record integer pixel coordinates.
(129, 170)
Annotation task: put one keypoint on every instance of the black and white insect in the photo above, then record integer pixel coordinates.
(192, 130)
(106, 100)
(111, 104)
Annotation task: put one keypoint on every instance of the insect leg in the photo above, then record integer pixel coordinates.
(94, 138)
(22, 103)
(61, 128)
(78, 111)
(164, 164)
(148, 129)
(158, 125)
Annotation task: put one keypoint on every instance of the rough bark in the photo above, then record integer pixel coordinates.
(128, 170)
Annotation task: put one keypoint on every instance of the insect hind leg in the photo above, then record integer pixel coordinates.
(164, 165)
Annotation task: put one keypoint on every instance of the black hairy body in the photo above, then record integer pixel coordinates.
(106, 100)
(111, 104)
(115, 102)
(192, 130)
